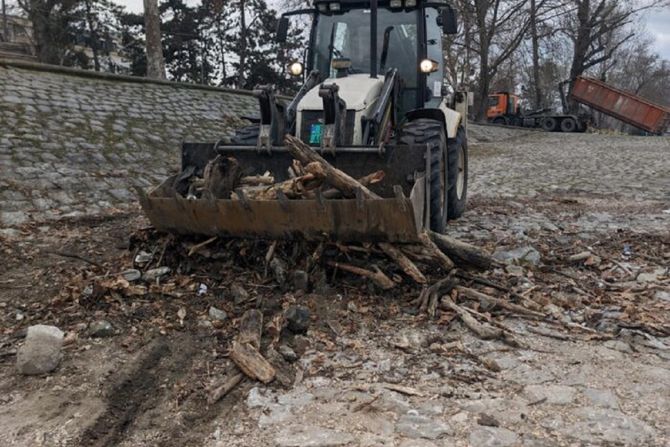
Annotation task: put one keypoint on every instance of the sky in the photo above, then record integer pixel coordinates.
(657, 24)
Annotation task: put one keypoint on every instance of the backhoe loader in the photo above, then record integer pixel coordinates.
(372, 98)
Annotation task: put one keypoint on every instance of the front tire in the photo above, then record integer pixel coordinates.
(457, 173)
(427, 131)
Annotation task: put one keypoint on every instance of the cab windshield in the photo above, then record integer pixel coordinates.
(347, 35)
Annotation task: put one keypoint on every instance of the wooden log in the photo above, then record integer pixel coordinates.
(462, 251)
(251, 362)
(378, 277)
(484, 331)
(292, 188)
(339, 179)
(225, 386)
(429, 297)
(497, 302)
(251, 328)
(257, 180)
(403, 261)
(443, 260)
(221, 176)
(370, 179)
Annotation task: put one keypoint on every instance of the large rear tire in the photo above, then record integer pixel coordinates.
(568, 125)
(549, 123)
(427, 131)
(457, 173)
(247, 136)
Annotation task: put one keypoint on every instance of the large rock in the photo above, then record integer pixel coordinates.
(603, 426)
(522, 255)
(551, 394)
(313, 437)
(493, 437)
(417, 426)
(41, 351)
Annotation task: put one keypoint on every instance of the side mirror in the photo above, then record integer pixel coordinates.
(282, 29)
(448, 20)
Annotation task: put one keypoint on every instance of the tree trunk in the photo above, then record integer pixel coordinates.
(93, 35)
(243, 46)
(582, 42)
(5, 29)
(536, 56)
(152, 22)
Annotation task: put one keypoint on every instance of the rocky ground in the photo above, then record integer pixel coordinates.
(369, 370)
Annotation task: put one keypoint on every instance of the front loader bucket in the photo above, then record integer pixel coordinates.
(397, 217)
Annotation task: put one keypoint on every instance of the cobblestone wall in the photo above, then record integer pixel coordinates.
(72, 142)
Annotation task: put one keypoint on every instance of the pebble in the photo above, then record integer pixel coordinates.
(101, 328)
(298, 319)
(217, 314)
(522, 255)
(239, 294)
(131, 275)
(41, 351)
(288, 353)
(153, 274)
(300, 280)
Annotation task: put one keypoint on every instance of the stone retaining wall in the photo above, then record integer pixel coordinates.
(73, 142)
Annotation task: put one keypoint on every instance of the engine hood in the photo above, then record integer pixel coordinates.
(357, 90)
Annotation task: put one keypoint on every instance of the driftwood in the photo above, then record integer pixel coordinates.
(370, 179)
(251, 362)
(429, 297)
(403, 261)
(517, 309)
(340, 180)
(220, 389)
(221, 176)
(377, 276)
(462, 251)
(292, 188)
(251, 328)
(484, 331)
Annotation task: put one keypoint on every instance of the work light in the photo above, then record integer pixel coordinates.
(395, 3)
(428, 66)
(295, 68)
(410, 3)
(334, 6)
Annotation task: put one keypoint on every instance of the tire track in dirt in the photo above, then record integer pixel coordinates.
(138, 391)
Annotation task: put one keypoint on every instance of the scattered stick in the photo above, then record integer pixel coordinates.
(74, 256)
(476, 295)
(194, 249)
(429, 297)
(251, 362)
(378, 277)
(220, 389)
(403, 261)
(483, 331)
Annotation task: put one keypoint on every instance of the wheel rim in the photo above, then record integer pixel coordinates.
(460, 178)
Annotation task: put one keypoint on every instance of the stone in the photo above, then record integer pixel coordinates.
(131, 275)
(312, 436)
(602, 398)
(153, 274)
(522, 255)
(487, 420)
(416, 443)
(618, 345)
(417, 426)
(288, 353)
(217, 314)
(13, 218)
(662, 295)
(41, 351)
(298, 319)
(601, 426)
(552, 394)
(301, 344)
(101, 328)
(239, 294)
(300, 280)
(493, 437)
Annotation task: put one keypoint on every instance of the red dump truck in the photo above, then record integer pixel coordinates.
(629, 108)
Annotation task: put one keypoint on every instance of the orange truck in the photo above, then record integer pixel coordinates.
(504, 109)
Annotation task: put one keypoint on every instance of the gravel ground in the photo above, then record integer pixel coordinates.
(369, 373)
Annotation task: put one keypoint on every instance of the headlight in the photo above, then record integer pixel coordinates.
(395, 3)
(323, 7)
(410, 3)
(295, 69)
(428, 66)
(334, 6)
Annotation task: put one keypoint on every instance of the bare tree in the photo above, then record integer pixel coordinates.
(152, 21)
(592, 25)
